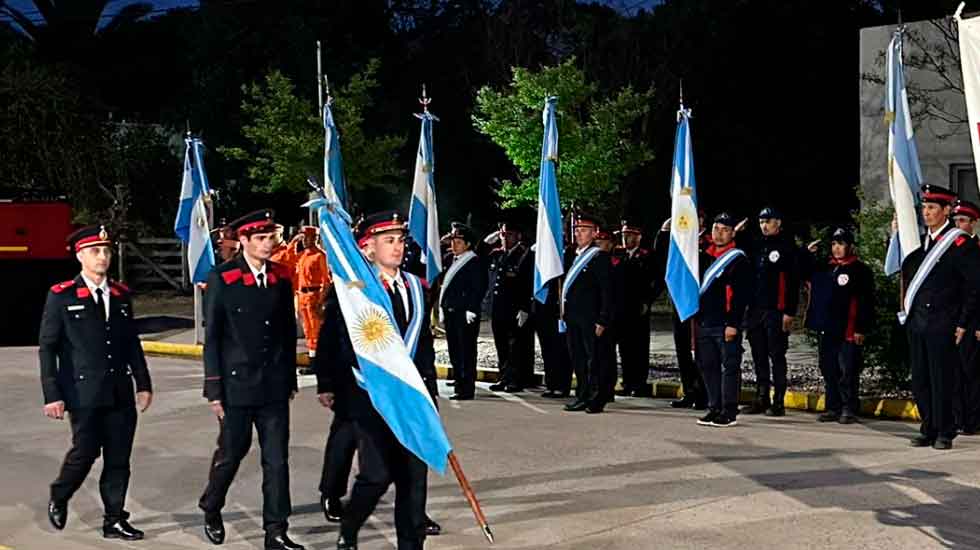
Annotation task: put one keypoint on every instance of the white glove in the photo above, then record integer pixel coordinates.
(442, 317)
(470, 317)
(521, 318)
(492, 238)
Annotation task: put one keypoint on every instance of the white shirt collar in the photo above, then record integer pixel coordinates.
(92, 286)
(255, 272)
(392, 279)
(579, 251)
(936, 234)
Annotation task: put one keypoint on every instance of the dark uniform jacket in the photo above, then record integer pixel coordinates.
(948, 297)
(777, 278)
(250, 347)
(842, 297)
(590, 299)
(467, 288)
(335, 360)
(511, 282)
(723, 303)
(638, 278)
(85, 361)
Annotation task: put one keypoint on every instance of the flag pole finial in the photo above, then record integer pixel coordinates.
(682, 93)
(425, 100)
(328, 99)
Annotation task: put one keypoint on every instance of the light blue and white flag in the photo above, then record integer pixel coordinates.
(423, 214)
(191, 225)
(335, 187)
(904, 173)
(385, 368)
(547, 256)
(682, 257)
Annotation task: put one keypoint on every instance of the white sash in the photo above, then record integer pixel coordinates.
(717, 268)
(453, 270)
(577, 266)
(414, 286)
(925, 268)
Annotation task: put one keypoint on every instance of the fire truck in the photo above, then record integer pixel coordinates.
(33, 257)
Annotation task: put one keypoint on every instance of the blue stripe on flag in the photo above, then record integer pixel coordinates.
(684, 287)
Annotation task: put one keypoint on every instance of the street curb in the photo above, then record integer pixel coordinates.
(899, 409)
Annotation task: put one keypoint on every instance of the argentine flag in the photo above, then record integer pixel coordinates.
(386, 369)
(333, 162)
(682, 257)
(423, 214)
(904, 173)
(547, 257)
(191, 225)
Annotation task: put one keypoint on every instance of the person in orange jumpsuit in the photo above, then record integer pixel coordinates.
(312, 282)
(286, 254)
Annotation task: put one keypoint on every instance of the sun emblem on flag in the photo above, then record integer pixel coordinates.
(372, 330)
(683, 222)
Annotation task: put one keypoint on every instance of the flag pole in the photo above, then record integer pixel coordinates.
(470, 496)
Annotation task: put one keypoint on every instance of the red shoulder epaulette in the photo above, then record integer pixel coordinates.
(960, 240)
(60, 287)
(231, 276)
(615, 260)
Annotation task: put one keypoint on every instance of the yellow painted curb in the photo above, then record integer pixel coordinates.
(195, 351)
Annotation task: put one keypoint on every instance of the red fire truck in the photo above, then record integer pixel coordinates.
(33, 256)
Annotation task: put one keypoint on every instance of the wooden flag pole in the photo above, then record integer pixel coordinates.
(470, 496)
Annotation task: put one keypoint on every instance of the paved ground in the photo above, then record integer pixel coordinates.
(640, 476)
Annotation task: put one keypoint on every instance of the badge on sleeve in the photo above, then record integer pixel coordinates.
(774, 256)
(843, 279)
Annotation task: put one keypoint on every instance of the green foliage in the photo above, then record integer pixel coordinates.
(597, 143)
(286, 136)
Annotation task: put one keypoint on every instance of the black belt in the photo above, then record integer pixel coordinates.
(310, 289)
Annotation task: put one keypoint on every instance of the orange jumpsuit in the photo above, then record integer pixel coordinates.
(286, 255)
(312, 280)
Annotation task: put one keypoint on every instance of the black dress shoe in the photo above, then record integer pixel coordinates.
(499, 386)
(756, 407)
(552, 394)
(576, 406)
(461, 397)
(214, 528)
(451, 383)
(591, 409)
(942, 444)
(346, 544)
(645, 391)
(776, 411)
(281, 542)
(58, 514)
(683, 403)
(513, 389)
(625, 392)
(921, 441)
(332, 508)
(432, 528)
(121, 530)
(700, 406)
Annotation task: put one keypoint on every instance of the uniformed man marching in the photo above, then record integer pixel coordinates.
(509, 293)
(726, 283)
(463, 288)
(966, 394)
(382, 460)
(587, 311)
(634, 337)
(771, 312)
(90, 356)
(841, 311)
(940, 302)
(250, 375)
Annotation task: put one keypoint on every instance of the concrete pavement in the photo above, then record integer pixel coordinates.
(640, 476)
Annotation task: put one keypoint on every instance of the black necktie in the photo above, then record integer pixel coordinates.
(399, 308)
(100, 304)
(261, 278)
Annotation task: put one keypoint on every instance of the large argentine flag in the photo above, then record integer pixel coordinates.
(333, 163)
(191, 225)
(547, 257)
(970, 58)
(386, 370)
(904, 174)
(423, 214)
(682, 257)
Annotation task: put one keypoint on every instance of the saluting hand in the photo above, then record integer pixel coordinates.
(599, 329)
(217, 409)
(787, 323)
(55, 410)
(143, 400)
(730, 334)
(960, 332)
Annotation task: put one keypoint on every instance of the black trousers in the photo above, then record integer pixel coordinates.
(338, 457)
(461, 339)
(841, 362)
(271, 421)
(515, 348)
(554, 351)
(721, 363)
(382, 460)
(105, 430)
(966, 384)
(769, 344)
(585, 350)
(692, 380)
(608, 370)
(633, 336)
(934, 358)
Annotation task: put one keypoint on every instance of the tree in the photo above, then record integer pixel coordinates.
(286, 135)
(597, 142)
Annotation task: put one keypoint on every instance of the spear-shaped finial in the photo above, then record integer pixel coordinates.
(425, 100)
(326, 90)
(682, 93)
